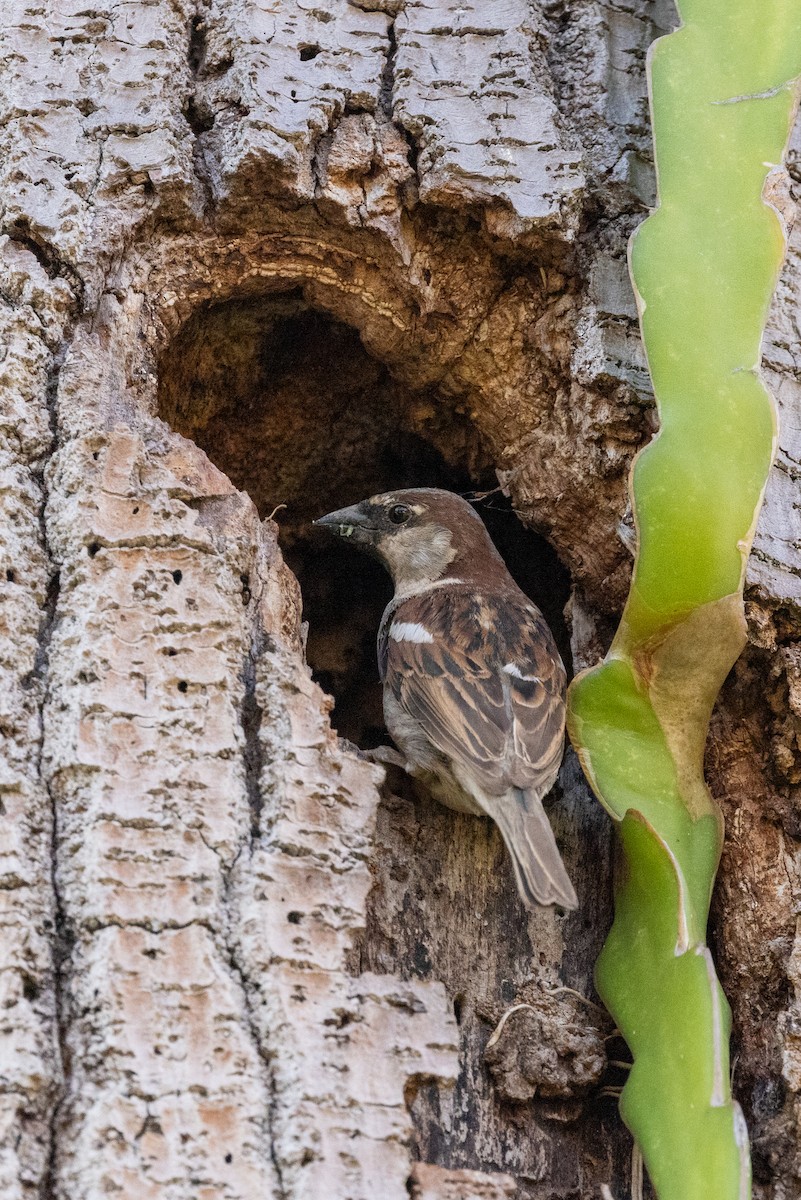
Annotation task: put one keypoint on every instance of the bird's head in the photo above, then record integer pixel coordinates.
(420, 534)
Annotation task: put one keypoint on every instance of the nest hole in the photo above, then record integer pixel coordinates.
(286, 401)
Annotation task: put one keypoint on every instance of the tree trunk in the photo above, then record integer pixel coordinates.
(260, 261)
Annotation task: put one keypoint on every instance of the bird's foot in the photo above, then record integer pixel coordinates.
(387, 756)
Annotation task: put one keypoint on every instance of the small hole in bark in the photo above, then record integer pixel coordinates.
(294, 918)
(309, 52)
(340, 1020)
(96, 455)
(150, 1125)
(92, 549)
(183, 686)
(30, 988)
(215, 69)
(135, 509)
(229, 1158)
(199, 118)
(457, 1009)
(170, 652)
(288, 403)
(177, 576)
(11, 576)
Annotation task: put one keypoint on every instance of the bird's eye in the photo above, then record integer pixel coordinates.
(399, 513)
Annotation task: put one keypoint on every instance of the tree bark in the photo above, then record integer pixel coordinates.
(257, 256)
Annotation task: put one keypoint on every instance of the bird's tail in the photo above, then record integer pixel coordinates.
(539, 870)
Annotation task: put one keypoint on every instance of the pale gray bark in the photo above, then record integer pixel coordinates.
(307, 251)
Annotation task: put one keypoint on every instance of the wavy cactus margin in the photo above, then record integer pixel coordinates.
(704, 264)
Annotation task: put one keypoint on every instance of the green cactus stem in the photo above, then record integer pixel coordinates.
(704, 266)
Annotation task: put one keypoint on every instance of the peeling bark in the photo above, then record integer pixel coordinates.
(274, 255)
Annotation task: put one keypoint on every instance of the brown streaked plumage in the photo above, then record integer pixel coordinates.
(473, 683)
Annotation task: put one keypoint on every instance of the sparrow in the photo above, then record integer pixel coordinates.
(474, 688)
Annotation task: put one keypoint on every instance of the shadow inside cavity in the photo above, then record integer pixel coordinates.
(286, 401)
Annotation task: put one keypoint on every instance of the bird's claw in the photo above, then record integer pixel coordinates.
(387, 756)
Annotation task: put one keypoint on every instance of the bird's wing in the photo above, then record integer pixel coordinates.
(482, 677)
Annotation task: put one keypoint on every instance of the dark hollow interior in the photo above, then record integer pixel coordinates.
(287, 402)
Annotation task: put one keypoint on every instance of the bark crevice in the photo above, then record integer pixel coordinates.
(320, 252)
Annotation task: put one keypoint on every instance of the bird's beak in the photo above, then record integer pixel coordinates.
(348, 523)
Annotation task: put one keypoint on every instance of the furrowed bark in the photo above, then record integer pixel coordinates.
(233, 959)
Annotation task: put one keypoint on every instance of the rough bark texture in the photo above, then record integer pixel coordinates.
(288, 254)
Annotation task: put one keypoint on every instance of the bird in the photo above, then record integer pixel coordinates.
(473, 684)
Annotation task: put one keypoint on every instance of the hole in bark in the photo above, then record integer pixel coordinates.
(183, 686)
(92, 549)
(294, 918)
(199, 117)
(288, 403)
(150, 1125)
(11, 576)
(177, 576)
(30, 988)
(309, 52)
